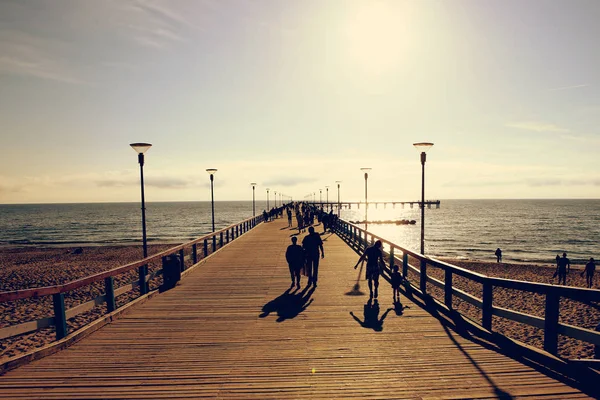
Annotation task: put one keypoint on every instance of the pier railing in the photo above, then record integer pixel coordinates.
(359, 239)
(193, 251)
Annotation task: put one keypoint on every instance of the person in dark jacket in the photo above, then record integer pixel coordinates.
(312, 243)
(295, 259)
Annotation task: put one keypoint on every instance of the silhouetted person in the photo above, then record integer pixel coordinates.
(371, 316)
(564, 267)
(396, 281)
(289, 215)
(589, 270)
(374, 258)
(265, 216)
(325, 221)
(311, 244)
(295, 259)
(498, 254)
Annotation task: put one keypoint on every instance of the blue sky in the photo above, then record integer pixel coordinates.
(295, 95)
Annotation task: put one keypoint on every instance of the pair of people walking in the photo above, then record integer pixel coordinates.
(306, 256)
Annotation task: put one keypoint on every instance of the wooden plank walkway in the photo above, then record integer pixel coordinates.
(224, 332)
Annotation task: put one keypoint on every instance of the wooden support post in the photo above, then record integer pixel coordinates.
(486, 309)
(109, 290)
(227, 236)
(448, 288)
(181, 260)
(214, 242)
(405, 266)
(142, 279)
(205, 248)
(60, 318)
(194, 253)
(423, 278)
(237, 232)
(551, 322)
(220, 239)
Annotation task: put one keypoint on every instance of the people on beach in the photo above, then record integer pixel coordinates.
(374, 257)
(563, 268)
(396, 281)
(312, 243)
(294, 256)
(498, 254)
(589, 270)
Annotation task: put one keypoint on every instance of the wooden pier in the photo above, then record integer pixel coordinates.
(376, 204)
(231, 329)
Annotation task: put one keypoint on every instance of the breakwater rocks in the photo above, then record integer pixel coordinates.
(398, 222)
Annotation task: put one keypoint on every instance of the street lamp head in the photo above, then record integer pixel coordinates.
(253, 184)
(211, 171)
(268, 189)
(140, 148)
(423, 146)
(366, 171)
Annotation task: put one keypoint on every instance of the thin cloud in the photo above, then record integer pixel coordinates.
(30, 56)
(288, 181)
(568, 87)
(537, 127)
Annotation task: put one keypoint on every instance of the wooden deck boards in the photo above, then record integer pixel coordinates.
(222, 334)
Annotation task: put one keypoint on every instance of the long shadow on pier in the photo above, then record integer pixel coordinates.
(289, 304)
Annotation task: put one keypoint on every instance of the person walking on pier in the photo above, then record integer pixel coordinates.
(295, 258)
(311, 244)
(396, 281)
(289, 215)
(374, 257)
(589, 270)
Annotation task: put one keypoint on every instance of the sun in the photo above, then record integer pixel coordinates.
(377, 34)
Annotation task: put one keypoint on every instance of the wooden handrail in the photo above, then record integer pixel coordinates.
(69, 286)
(550, 323)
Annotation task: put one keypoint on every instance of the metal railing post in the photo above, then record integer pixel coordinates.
(551, 322)
(423, 277)
(181, 260)
(109, 290)
(448, 288)
(60, 318)
(194, 253)
(486, 308)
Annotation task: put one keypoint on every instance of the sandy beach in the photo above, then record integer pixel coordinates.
(22, 268)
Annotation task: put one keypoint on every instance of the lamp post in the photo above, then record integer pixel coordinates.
(366, 171)
(268, 199)
(212, 172)
(321, 197)
(253, 203)
(339, 205)
(327, 193)
(423, 147)
(141, 148)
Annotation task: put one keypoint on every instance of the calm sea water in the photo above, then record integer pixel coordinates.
(526, 230)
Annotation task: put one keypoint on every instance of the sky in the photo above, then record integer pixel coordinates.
(296, 95)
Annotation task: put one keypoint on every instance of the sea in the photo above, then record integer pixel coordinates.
(527, 231)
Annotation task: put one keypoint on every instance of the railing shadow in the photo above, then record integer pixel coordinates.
(454, 322)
